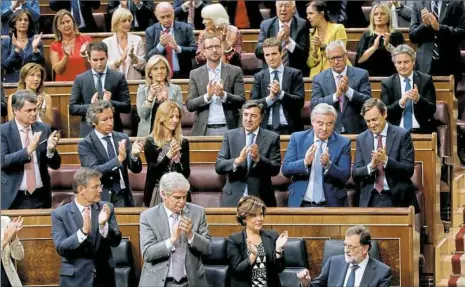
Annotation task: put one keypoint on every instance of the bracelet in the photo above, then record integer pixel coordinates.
(228, 51)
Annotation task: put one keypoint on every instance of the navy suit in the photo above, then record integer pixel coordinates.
(398, 171)
(86, 11)
(376, 274)
(324, 87)
(89, 263)
(14, 157)
(334, 179)
(299, 33)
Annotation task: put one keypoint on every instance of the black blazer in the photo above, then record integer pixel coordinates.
(86, 11)
(4, 103)
(84, 89)
(258, 179)
(293, 99)
(93, 155)
(299, 33)
(423, 110)
(253, 12)
(239, 260)
(156, 169)
(145, 15)
(184, 36)
(181, 16)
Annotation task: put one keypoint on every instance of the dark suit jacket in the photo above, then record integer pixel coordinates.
(14, 157)
(423, 110)
(4, 103)
(181, 16)
(253, 12)
(377, 274)
(239, 259)
(451, 33)
(324, 87)
(92, 154)
(398, 171)
(334, 179)
(145, 15)
(184, 36)
(293, 100)
(233, 84)
(258, 179)
(84, 89)
(299, 33)
(86, 11)
(94, 253)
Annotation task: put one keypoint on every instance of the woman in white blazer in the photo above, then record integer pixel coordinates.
(126, 52)
(157, 89)
(11, 247)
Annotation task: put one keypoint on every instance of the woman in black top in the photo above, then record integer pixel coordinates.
(255, 255)
(375, 46)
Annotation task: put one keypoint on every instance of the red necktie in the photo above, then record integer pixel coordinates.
(169, 53)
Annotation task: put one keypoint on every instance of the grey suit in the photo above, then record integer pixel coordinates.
(154, 231)
(233, 85)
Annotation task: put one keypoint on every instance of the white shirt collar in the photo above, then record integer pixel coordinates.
(315, 139)
(288, 23)
(254, 132)
(170, 28)
(168, 211)
(218, 68)
(280, 69)
(343, 73)
(410, 77)
(104, 72)
(20, 126)
(100, 135)
(384, 131)
(362, 265)
(80, 206)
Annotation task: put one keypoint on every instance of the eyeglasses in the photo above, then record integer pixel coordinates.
(350, 247)
(211, 48)
(339, 58)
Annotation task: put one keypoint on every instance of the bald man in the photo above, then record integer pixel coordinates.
(172, 39)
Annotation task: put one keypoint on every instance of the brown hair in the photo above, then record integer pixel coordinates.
(271, 42)
(58, 16)
(15, 17)
(362, 231)
(160, 132)
(26, 70)
(249, 206)
(371, 103)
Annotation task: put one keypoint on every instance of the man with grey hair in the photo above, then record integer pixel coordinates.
(111, 153)
(173, 237)
(344, 87)
(410, 96)
(318, 160)
(28, 150)
(83, 232)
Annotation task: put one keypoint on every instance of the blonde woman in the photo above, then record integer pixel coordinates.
(157, 89)
(31, 78)
(11, 247)
(126, 52)
(165, 150)
(375, 45)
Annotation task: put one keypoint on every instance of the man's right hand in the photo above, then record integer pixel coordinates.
(175, 233)
(86, 223)
(309, 155)
(33, 143)
(165, 39)
(242, 156)
(304, 277)
(122, 151)
(210, 90)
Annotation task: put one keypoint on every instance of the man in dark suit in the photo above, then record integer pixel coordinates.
(354, 268)
(141, 10)
(244, 14)
(216, 92)
(99, 83)
(293, 33)
(281, 90)
(384, 161)
(83, 232)
(110, 153)
(409, 95)
(190, 12)
(344, 87)
(4, 109)
(81, 11)
(249, 156)
(172, 39)
(318, 161)
(438, 28)
(28, 149)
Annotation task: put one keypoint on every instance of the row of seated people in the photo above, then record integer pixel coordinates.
(175, 40)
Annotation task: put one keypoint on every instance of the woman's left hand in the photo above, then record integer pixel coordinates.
(387, 38)
(36, 41)
(281, 241)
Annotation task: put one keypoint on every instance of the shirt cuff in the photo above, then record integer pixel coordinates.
(134, 158)
(104, 230)
(370, 171)
(190, 240)
(350, 93)
(326, 168)
(291, 45)
(179, 50)
(223, 99)
(81, 236)
(160, 48)
(205, 98)
(234, 167)
(335, 98)
(269, 101)
(185, 6)
(281, 95)
(50, 154)
(170, 247)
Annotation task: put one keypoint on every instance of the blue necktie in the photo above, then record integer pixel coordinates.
(76, 16)
(250, 138)
(318, 193)
(116, 187)
(276, 106)
(408, 107)
(351, 280)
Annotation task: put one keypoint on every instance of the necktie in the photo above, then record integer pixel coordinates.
(276, 106)
(343, 14)
(116, 187)
(76, 15)
(191, 13)
(99, 85)
(436, 47)
(285, 56)
(408, 107)
(250, 138)
(179, 254)
(318, 193)
(351, 280)
(241, 19)
(169, 52)
(29, 167)
(343, 97)
(380, 176)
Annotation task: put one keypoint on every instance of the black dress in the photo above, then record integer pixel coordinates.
(380, 63)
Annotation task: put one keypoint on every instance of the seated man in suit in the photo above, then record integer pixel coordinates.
(384, 161)
(344, 87)
(216, 92)
(141, 10)
(83, 232)
(99, 83)
(190, 12)
(354, 268)
(28, 150)
(249, 156)
(409, 95)
(173, 237)
(82, 12)
(110, 153)
(318, 160)
(172, 39)
(293, 33)
(281, 90)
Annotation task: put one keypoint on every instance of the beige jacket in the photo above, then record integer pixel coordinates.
(14, 249)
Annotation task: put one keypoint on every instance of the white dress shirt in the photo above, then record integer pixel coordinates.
(309, 193)
(358, 272)
(291, 45)
(439, 8)
(375, 145)
(174, 54)
(216, 112)
(269, 102)
(81, 236)
(403, 91)
(104, 143)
